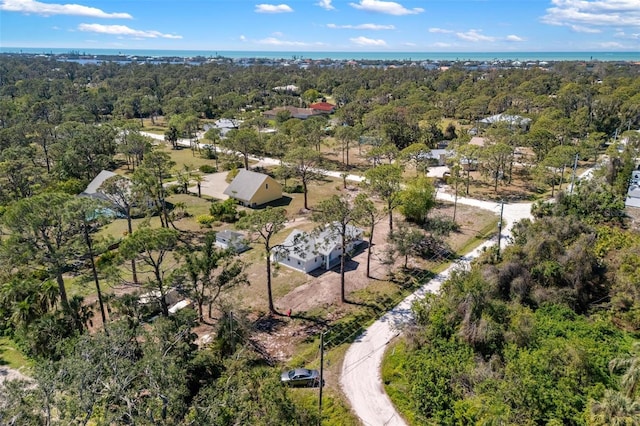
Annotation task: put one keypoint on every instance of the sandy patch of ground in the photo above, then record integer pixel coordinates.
(7, 374)
(213, 185)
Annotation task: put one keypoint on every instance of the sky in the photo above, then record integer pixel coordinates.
(325, 25)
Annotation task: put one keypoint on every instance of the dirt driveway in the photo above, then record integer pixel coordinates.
(213, 185)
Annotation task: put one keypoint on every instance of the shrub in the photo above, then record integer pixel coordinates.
(175, 189)
(231, 163)
(205, 168)
(208, 153)
(205, 220)
(232, 174)
(293, 189)
(226, 211)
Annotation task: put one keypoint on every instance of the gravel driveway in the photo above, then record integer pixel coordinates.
(213, 185)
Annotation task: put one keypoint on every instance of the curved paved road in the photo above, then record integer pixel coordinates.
(360, 377)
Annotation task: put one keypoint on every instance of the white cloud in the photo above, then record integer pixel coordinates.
(123, 30)
(611, 45)
(631, 36)
(513, 37)
(325, 4)
(587, 13)
(440, 31)
(475, 36)
(49, 9)
(242, 37)
(583, 29)
(374, 27)
(273, 8)
(274, 41)
(387, 7)
(364, 41)
(441, 44)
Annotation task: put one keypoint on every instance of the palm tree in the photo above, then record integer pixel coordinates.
(631, 377)
(615, 409)
(197, 177)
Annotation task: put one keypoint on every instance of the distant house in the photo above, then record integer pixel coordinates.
(301, 113)
(512, 120)
(307, 252)
(224, 125)
(231, 240)
(436, 156)
(323, 107)
(252, 189)
(290, 88)
(92, 190)
(633, 194)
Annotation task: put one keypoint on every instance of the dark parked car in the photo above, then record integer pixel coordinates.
(301, 377)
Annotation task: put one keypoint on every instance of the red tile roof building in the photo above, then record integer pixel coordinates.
(323, 106)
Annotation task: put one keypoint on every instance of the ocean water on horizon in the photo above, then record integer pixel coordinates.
(381, 55)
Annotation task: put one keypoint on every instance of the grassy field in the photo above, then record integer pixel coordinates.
(10, 355)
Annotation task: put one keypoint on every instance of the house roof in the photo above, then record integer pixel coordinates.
(506, 118)
(634, 190)
(632, 202)
(304, 245)
(96, 183)
(245, 185)
(228, 235)
(227, 123)
(323, 106)
(287, 88)
(296, 112)
(435, 154)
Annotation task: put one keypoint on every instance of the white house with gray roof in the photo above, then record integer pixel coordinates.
(308, 251)
(511, 120)
(252, 189)
(633, 194)
(92, 189)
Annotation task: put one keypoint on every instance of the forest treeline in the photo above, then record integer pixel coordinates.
(551, 312)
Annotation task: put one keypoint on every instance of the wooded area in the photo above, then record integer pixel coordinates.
(543, 332)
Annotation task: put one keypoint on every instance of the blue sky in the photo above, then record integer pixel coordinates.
(325, 25)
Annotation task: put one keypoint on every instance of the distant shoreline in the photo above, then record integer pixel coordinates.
(337, 56)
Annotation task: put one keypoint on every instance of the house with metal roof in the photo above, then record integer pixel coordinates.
(92, 190)
(511, 120)
(308, 251)
(227, 239)
(224, 125)
(253, 189)
(633, 194)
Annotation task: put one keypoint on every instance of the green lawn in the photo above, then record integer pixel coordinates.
(10, 355)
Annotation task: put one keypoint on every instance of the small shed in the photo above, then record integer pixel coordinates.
(231, 240)
(253, 189)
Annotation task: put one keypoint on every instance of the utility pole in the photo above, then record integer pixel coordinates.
(500, 226)
(573, 176)
(321, 377)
